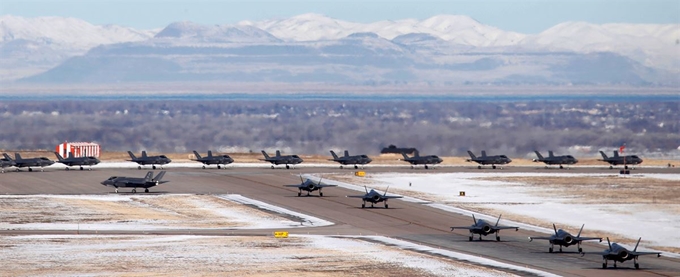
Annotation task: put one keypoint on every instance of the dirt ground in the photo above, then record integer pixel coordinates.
(216, 256)
(323, 159)
(187, 211)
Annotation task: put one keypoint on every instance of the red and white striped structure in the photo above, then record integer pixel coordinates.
(79, 149)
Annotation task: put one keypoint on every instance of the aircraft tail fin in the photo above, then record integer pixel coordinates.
(636, 245)
(17, 156)
(609, 243)
(604, 156)
(616, 153)
(365, 188)
(149, 176)
(472, 156)
(278, 153)
(7, 157)
(144, 154)
(540, 157)
(499, 219)
(334, 155)
(59, 157)
(346, 153)
(405, 156)
(209, 153)
(132, 156)
(483, 153)
(579, 231)
(198, 156)
(550, 154)
(70, 155)
(474, 220)
(416, 153)
(159, 176)
(265, 154)
(385, 194)
(555, 228)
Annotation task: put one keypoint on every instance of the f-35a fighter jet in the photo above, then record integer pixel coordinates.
(152, 160)
(555, 160)
(76, 161)
(618, 253)
(19, 162)
(485, 160)
(356, 160)
(135, 182)
(618, 160)
(288, 160)
(374, 197)
(309, 186)
(564, 238)
(210, 159)
(424, 160)
(484, 228)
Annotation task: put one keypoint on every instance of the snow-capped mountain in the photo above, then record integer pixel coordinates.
(216, 33)
(66, 32)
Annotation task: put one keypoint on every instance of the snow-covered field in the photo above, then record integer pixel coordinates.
(92, 255)
(145, 212)
(622, 207)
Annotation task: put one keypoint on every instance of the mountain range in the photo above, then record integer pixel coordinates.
(444, 49)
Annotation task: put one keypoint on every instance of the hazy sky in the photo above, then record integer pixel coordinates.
(529, 16)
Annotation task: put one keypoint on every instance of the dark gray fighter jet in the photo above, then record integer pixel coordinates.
(564, 238)
(210, 159)
(73, 161)
(618, 160)
(152, 160)
(308, 185)
(485, 160)
(278, 159)
(5, 162)
(424, 160)
(356, 160)
(30, 162)
(555, 160)
(618, 253)
(483, 227)
(135, 182)
(374, 197)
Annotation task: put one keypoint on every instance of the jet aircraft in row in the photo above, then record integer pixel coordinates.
(159, 160)
(76, 161)
(279, 159)
(564, 238)
(482, 227)
(374, 197)
(19, 162)
(219, 160)
(618, 253)
(421, 160)
(555, 160)
(355, 160)
(488, 160)
(620, 160)
(309, 186)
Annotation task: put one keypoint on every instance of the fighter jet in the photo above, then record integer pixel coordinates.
(308, 185)
(73, 161)
(617, 160)
(30, 162)
(483, 227)
(5, 162)
(492, 160)
(564, 238)
(152, 160)
(278, 159)
(618, 253)
(552, 159)
(134, 182)
(356, 160)
(210, 159)
(374, 197)
(424, 160)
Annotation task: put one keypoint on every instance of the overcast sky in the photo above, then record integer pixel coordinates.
(528, 16)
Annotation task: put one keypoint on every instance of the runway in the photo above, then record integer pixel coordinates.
(404, 220)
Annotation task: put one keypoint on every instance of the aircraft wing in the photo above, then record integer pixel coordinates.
(292, 186)
(162, 182)
(356, 196)
(505, 227)
(587, 238)
(639, 253)
(545, 238)
(463, 227)
(325, 186)
(392, 196)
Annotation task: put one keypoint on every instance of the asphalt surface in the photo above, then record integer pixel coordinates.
(404, 220)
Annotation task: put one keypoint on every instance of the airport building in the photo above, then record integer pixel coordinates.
(79, 149)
